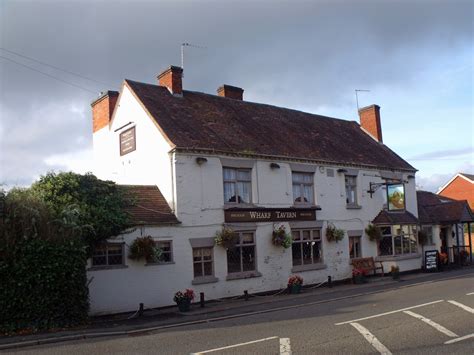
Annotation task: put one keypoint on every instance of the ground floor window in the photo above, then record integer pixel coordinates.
(306, 247)
(241, 257)
(202, 261)
(354, 247)
(108, 254)
(429, 234)
(398, 240)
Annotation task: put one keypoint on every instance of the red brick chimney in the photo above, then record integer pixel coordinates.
(231, 92)
(370, 121)
(102, 109)
(172, 78)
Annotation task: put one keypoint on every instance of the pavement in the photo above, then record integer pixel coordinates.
(256, 307)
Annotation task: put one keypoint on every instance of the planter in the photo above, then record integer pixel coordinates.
(359, 279)
(396, 275)
(184, 306)
(294, 289)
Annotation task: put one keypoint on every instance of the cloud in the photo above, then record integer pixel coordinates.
(442, 154)
(435, 181)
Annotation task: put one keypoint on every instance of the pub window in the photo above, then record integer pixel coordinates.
(241, 257)
(306, 247)
(303, 187)
(108, 254)
(237, 185)
(355, 250)
(202, 262)
(351, 190)
(398, 240)
(429, 233)
(165, 253)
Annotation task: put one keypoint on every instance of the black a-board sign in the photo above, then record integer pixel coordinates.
(431, 260)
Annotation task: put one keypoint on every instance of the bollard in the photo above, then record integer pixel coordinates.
(329, 281)
(140, 310)
(246, 295)
(201, 299)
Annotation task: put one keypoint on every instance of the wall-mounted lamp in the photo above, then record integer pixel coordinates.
(201, 160)
(274, 166)
(411, 176)
(342, 171)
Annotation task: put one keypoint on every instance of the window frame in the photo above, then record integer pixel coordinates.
(235, 182)
(301, 185)
(359, 243)
(301, 241)
(170, 252)
(425, 228)
(393, 236)
(202, 262)
(241, 245)
(107, 264)
(354, 186)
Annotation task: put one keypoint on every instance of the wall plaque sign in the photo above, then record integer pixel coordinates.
(396, 197)
(127, 141)
(269, 214)
(431, 260)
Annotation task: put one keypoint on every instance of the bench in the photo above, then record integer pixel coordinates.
(367, 264)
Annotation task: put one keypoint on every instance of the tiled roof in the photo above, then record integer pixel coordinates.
(436, 209)
(209, 122)
(395, 217)
(148, 206)
(469, 176)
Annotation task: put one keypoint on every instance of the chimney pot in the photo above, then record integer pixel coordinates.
(231, 92)
(102, 109)
(172, 78)
(370, 121)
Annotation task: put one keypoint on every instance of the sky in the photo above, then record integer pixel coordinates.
(416, 58)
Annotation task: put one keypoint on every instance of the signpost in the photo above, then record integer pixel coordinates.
(431, 260)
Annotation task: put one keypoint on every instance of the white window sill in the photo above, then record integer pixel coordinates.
(353, 207)
(228, 205)
(309, 267)
(204, 280)
(243, 275)
(160, 263)
(107, 267)
(397, 257)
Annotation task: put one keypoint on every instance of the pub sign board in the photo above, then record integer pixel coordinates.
(269, 215)
(127, 141)
(431, 260)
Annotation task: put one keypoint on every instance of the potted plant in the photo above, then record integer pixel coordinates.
(144, 248)
(294, 284)
(395, 272)
(183, 299)
(373, 232)
(443, 258)
(226, 238)
(358, 276)
(334, 234)
(281, 238)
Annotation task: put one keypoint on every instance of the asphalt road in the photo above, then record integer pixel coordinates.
(416, 320)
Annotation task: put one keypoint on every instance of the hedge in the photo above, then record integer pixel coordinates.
(43, 285)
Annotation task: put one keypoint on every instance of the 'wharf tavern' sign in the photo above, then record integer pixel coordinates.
(269, 214)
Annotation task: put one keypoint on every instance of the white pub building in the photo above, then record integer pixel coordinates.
(198, 163)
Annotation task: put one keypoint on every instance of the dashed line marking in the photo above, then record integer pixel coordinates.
(470, 294)
(435, 325)
(463, 306)
(371, 339)
(234, 346)
(285, 347)
(459, 339)
(387, 313)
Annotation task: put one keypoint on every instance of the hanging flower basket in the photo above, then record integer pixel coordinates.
(281, 238)
(144, 248)
(334, 234)
(226, 238)
(373, 232)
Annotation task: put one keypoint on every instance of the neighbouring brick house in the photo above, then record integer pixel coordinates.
(460, 187)
(199, 162)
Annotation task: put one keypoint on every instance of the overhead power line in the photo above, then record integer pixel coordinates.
(49, 75)
(54, 67)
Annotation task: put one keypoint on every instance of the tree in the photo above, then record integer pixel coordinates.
(95, 206)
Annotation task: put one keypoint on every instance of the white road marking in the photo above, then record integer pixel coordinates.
(459, 339)
(285, 347)
(470, 294)
(463, 306)
(435, 325)
(371, 339)
(234, 346)
(387, 313)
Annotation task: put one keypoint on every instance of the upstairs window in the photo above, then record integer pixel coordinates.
(351, 190)
(303, 188)
(237, 185)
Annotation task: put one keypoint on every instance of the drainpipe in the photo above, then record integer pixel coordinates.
(457, 243)
(470, 241)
